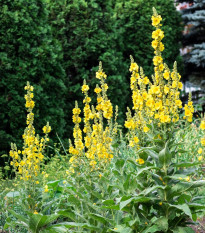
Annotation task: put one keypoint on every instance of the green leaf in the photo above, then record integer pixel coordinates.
(119, 163)
(53, 184)
(108, 202)
(19, 217)
(49, 219)
(162, 224)
(165, 156)
(140, 171)
(125, 203)
(68, 214)
(73, 201)
(196, 206)
(140, 199)
(183, 230)
(184, 198)
(111, 207)
(151, 189)
(151, 229)
(36, 221)
(74, 224)
(188, 164)
(99, 218)
(55, 229)
(184, 208)
(121, 229)
(152, 153)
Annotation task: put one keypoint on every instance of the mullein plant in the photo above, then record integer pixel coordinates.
(156, 101)
(167, 185)
(93, 143)
(27, 162)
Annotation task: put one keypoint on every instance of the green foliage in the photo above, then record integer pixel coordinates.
(123, 196)
(28, 53)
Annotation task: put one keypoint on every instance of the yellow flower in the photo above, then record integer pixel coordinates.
(140, 161)
(166, 75)
(154, 44)
(93, 163)
(47, 129)
(76, 111)
(187, 178)
(156, 20)
(85, 88)
(200, 150)
(134, 67)
(180, 85)
(157, 60)
(158, 34)
(37, 182)
(46, 189)
(97, 90)
(145, 129)
(161, 47)
(202, 126)
(161, 67)
(166, 89)
(203, 141)
(136, 140)
(35, 212)
(200, 158)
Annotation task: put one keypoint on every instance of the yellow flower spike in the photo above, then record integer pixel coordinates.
(28, 165)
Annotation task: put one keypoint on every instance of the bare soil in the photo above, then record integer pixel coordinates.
(200, 228)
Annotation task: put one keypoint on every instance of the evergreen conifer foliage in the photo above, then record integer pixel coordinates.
(28, 52)
(195, 16)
